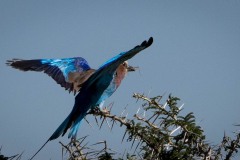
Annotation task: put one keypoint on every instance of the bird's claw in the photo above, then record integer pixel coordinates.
(95, 110)
(100, 110)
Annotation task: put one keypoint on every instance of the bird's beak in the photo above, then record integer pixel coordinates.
(131, 69)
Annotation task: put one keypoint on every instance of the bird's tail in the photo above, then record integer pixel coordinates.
(39, 149)
(66, 124)
(26, 65)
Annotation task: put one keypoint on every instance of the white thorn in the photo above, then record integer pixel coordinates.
(175, 130)
(144, 114)
(126, 116)
(181, 106)
(149, 92)
(138, 110)
(123, 112)
(164, 106)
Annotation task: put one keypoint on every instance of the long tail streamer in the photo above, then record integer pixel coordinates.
(39, 149)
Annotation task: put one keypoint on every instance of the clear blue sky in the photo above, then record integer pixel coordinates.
(195, 56)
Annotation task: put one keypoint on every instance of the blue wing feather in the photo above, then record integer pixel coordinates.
(58, 69)
(66, 65)
(111, 65)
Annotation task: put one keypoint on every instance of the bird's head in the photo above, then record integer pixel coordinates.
(122, 71)
(124, 68)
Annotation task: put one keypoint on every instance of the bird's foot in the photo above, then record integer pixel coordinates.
(95, 110)
(99, 110)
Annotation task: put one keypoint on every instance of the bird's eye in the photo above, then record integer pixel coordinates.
(125, 64)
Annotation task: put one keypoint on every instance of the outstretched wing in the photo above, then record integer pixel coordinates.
(110, 66)
(58, 69)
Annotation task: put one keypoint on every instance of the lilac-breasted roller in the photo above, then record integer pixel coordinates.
(70, 73)
(94, 91)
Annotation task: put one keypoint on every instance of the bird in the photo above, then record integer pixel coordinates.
(94, 91)
(69, 73)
